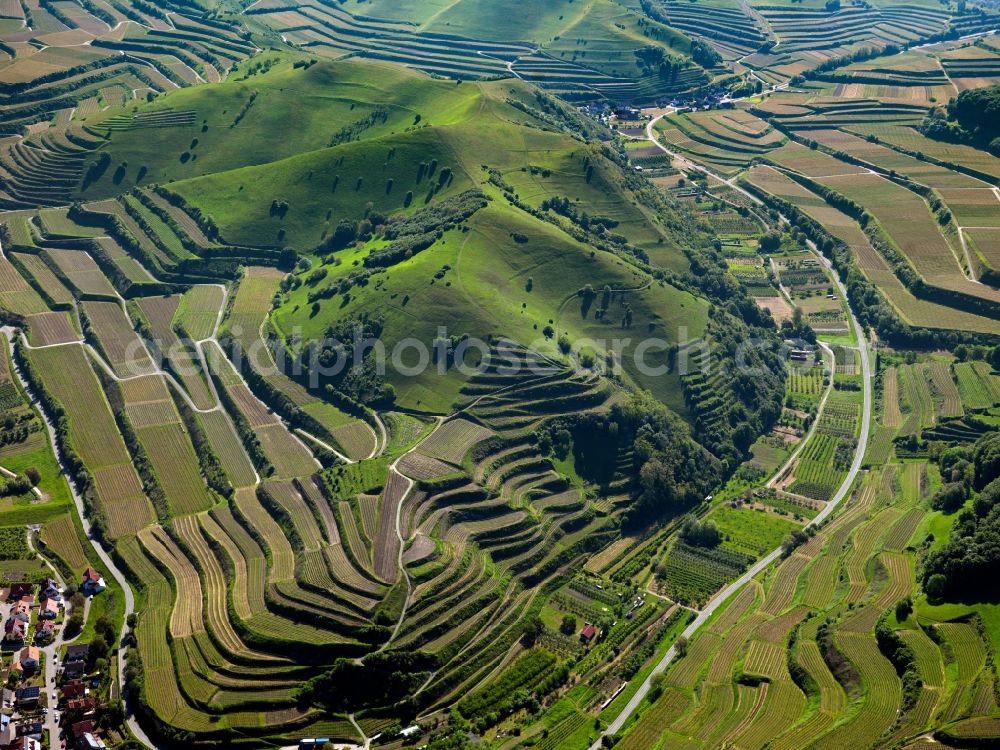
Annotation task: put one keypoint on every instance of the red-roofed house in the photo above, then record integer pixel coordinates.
(74, 689)
(85, 705)
(24, 743)
(588, 633)
(93, 582)
(48, 609)
(29, 657)
(17, 590)
(82, 727)
(15, 629)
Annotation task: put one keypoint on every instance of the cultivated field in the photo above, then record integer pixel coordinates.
(323, 552)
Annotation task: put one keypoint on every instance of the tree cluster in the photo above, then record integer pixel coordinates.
(972, 117)
(969, 563)
(673, 472)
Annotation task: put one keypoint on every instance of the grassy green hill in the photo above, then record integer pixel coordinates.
(311, 108)
(554, 25)
(429, 140)
(485, 291)
(321, 188)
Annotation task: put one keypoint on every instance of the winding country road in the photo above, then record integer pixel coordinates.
(104, 557)
(727, 593)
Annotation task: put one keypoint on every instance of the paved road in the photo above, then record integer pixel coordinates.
(102, 555)
(723, 596)
(776, 477)
(51, 721)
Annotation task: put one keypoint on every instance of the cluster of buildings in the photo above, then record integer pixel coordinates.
(13, 737)
(25, 610)
(30, 620)
(76, 700)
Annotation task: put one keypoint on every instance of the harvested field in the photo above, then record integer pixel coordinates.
(422, 547)
(780, 310)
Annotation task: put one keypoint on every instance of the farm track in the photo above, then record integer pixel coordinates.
(393, 468)
(862, 444)
(105, 558)
(396, 474)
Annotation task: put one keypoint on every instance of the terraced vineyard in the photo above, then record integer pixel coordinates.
(806, 654)
(461, 373)
(540, 56)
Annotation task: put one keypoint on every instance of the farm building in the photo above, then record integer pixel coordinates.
(588, 633)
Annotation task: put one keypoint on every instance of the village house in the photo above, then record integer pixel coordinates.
(74, 689)
(29, 657)
(82, 727)
(23, 606)
(45, 631)
(26, 660)
(588, 633)
(23, 743)
(17, 590)
(50, 590)
(83, 735)
(15, 629)
(48, 609)
(89, 741)
(30, 729)
(85, 706)
(77, 652)
(25, 697)
(92, 583)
